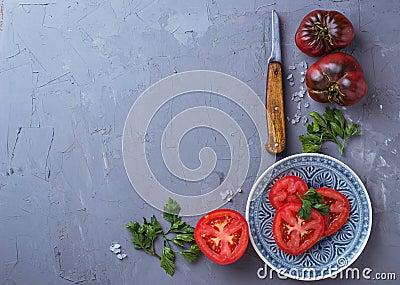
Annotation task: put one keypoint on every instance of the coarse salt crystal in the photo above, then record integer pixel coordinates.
(292, 67)
(223, 195)
(290, 76)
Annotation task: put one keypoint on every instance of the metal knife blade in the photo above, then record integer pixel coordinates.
(276, 142)
(276, 39)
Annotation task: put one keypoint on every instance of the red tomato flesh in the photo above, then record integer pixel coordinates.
(286, 189)
(339, 209)
(222, 235)
(295, 235)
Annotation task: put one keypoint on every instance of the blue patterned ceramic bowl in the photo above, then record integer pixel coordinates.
(331, 254)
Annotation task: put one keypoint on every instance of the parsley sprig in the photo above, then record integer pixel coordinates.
(145, 234)
(312, 199)
(331, 126)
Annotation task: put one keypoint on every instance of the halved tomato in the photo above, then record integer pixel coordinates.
(286, 189)
(339, 209)
(222, 235)
(295, 235)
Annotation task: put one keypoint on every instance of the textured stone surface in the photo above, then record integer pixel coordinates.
(69, 73)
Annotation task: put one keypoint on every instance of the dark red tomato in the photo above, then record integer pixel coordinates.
(295, 235)
(339, 209)
(323, 31)
(338, 78)
(222, 235)
(286, 189)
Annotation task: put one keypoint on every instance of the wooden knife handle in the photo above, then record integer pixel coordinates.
(275, 111)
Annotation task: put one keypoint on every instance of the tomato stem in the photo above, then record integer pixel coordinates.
(322, 31)
(335, 95)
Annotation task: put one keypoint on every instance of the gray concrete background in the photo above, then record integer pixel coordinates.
(69, 73)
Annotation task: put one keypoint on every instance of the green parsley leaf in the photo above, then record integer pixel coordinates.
(171, 211)
(180, 227)
(138, 238)
(305, 210)
(339, 117)
(331, 126)
(318, 119)
(144, 235)
(322, 208)
(312, 199)
(172, 207)
(337, 130)
(185, 237)
(168, 260)
(191, 254)
(311, 143)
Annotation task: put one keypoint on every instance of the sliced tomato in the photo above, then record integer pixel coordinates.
(286, 189)
(222, 235)
(295, 235)
(339, 209)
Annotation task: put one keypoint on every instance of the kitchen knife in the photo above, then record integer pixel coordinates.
(274, 94)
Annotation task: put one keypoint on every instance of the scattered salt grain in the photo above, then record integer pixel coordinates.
(302, 79)
(291, 83)
(116, 249)
(381, 107)
(290, 76)
(121, 256)
(303, 73)
(304, 120)
(306, 105)
(292, 67)
(387, 141)
(297, 99)
(223, 195)
(298, 105)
